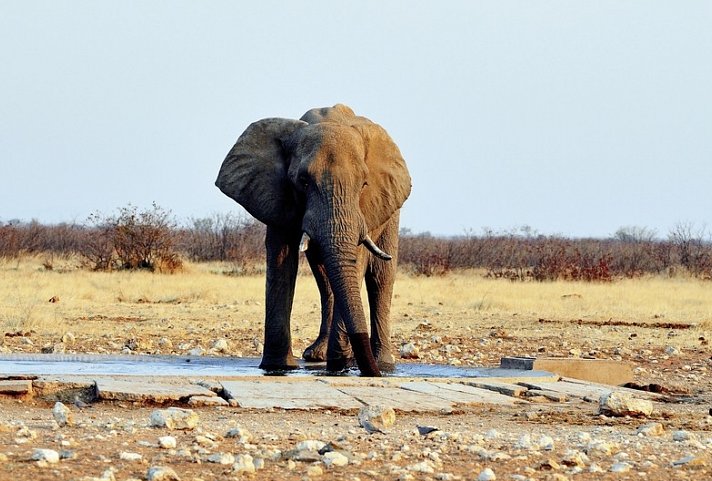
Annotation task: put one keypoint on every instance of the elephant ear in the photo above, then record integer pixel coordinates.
(254, 173)
(388, 179)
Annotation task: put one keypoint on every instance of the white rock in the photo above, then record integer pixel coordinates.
(491, 434)
(221, 458)
(174, 418)
(681, 436)
(618, 403)
(600, 447)
(220, 345)
(409, 351)
(486, 475)
(243, 435)
(376, 418)
(126, 456)
(310, 445)
(167, 442)
(62, 414)
(48, 455)
(161, 473)
(314, 471)
(575, 458)
(422, 467)
(620, 467)
(546, 442)
(650, 430)
(244, 464)
(196, 351)
(335, 458)
(524, 442)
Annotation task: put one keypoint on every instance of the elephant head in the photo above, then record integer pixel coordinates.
(332, 179)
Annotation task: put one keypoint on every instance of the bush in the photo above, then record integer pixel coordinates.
(133, 239)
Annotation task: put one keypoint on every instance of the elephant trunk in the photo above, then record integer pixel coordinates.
(342, 269)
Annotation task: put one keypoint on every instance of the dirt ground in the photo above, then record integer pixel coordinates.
(464, 445)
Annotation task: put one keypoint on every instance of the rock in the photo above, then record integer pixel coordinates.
(650, 430)
(376, 418)
(165, 343)
(620, 467)
(47, 455)
(409, 351)
(574, 458)
(174, 418)
(422, 467)
(221, 458)
(524, 442)
(220, 345)
(161, 473)
(243, 435)
(204, 401)
(314, 471)
(546, 442)
(691, 461)
(486, 475)
(310, 445)
(335, 458)
(68, 338)
(681, 435)
(619, 403)
(196, 351)
(57, 348)
(492, 434)
(62, 414)
(244, 464)
(425, 430)
(167, 442)
(672, 351)
(599, 447)
(125, 456)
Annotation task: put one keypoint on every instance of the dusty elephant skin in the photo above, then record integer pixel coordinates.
(330, 184)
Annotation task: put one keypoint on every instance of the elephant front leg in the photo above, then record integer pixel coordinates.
(282, 262)
(339, 355)
(317, 350)
(380, 277)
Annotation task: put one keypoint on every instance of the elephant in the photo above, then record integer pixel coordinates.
(331, 185)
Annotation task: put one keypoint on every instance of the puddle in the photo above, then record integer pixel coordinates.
(144, 365)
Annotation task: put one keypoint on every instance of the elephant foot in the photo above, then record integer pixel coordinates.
(340, 364)
(316, 352)
(279, 364)
(386, 362)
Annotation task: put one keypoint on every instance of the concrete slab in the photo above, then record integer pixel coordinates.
(588, 391)
(307, 394)
(506, 388)
(604, 371)
(16, 387)
(397, 398)
(116, 390)
(460, 394)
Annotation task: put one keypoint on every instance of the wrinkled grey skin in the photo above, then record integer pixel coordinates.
(341, 180)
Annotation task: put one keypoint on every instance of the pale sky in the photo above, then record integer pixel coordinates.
(572, 117)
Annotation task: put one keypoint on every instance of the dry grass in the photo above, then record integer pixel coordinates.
(201, 302)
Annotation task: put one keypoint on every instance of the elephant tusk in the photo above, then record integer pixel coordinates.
(304, 243)
(371, 246)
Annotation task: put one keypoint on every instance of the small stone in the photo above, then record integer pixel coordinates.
(620, 467)
(650, 430)
(243, 435)
(681, 435)
(196, 351)
(221, 458)
(486, 475)
(549, 465)
(203, 401)
(672, 351)
(409, 351)
(68, 338)
(67, 454)
(691, 461)
(599, 447)
(62, 414)
(244, 464)
(47, 455)
(524, 442)
(334, 458)
(167, 442)
(161, 473)
(310, 445)
(314, 471)
(574, 458)
(174, 418)
(619, 403)
(165, 343)
(220, 345)
(126, 456)
(422, 467)
(491, 434)
(546, 443)
(376, 418)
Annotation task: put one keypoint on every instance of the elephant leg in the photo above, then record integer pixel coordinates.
(380, 276)
(317, 350)
(282, 262)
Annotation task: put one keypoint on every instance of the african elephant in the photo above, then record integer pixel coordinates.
(330, 184)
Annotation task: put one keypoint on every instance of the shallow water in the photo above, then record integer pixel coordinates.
(144, 365)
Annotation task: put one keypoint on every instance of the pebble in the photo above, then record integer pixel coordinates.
(650, 430)
(161, 473)
(409, 351)
(422, 467)
(573, 458)
(126, 456)
(174, 418)
(167, 442)
(243, 435)
(310, 445)
(620, 467)
(221, 458)
(314, 471)
(62, 414)
(546, 442)
(376, 418)
(220, 345)
(244, 464)
(486, 475)
(47, 455)
(335, 458)
(681, 436)
(618, 403)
